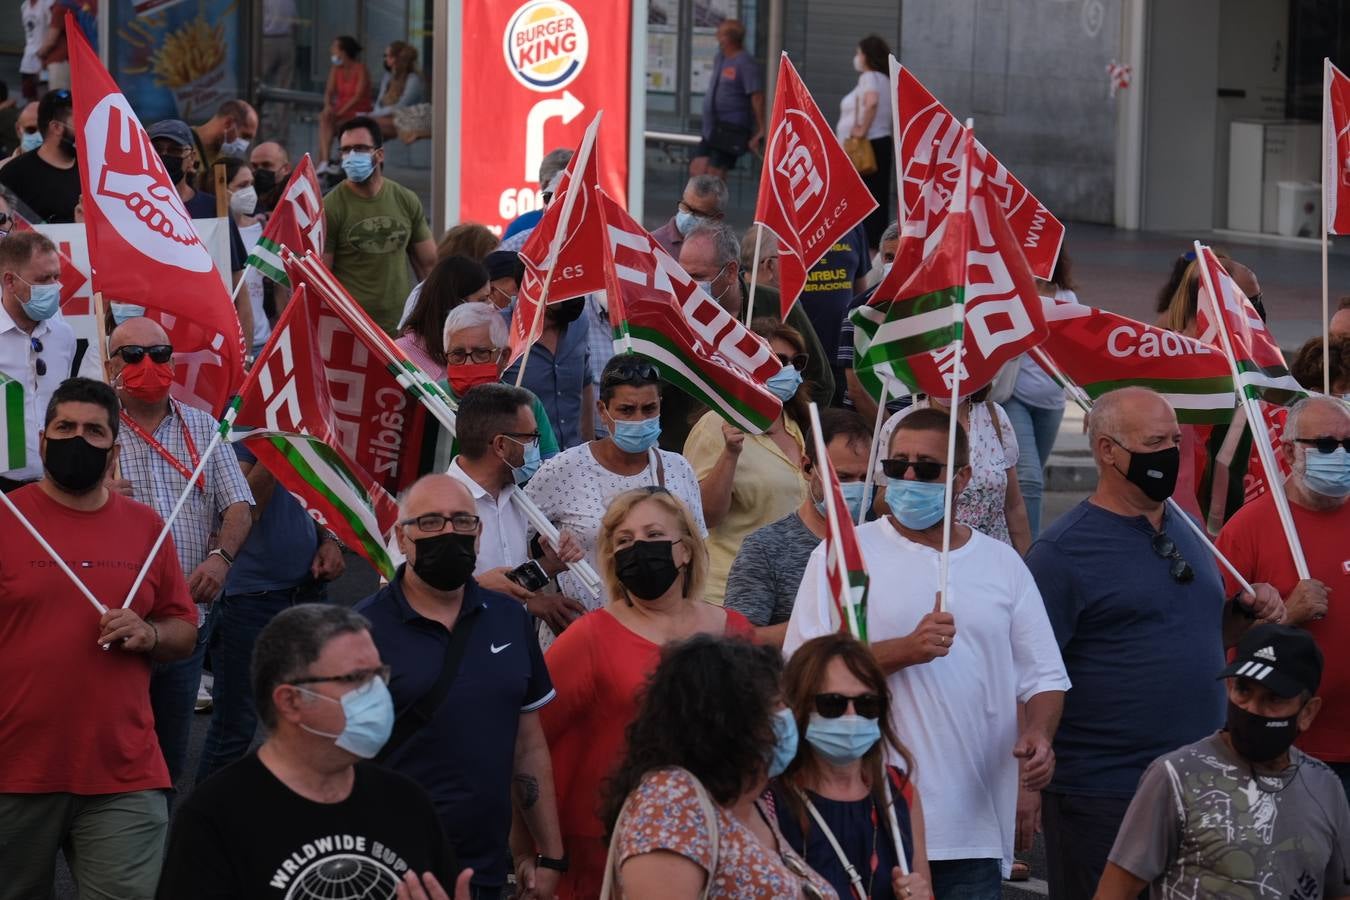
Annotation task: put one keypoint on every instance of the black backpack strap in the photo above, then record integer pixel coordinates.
(419, 714)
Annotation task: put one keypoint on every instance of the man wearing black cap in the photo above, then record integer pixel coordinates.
(1242, 813)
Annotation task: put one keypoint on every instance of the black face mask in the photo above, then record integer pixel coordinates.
(68, 140)
(264, 181)
(1260, 738)
(647, 568)
(174, 166)
(76, 465)
(445, 561)
(568, 310)
(1153, 473)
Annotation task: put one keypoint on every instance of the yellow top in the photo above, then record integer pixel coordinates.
(767, 487)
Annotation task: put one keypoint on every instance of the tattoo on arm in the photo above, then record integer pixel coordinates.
(527, 791)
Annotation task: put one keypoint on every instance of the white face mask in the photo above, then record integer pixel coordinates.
(244, 201)
(859, 64)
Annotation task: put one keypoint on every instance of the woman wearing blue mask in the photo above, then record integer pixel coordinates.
(834, 803)
(346, 94)
(750, 480)
(685, 807)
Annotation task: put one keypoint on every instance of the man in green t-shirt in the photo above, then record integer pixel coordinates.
(372, 223)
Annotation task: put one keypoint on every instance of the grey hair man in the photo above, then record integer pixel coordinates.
(703, 203)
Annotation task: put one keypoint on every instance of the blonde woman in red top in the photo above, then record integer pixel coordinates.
(346, 94)
(654, 564)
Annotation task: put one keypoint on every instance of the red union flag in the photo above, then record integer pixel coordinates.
(143, 248)
(296, 224)
(659, 312)
(1336, 132)
(809, 193)
(926, 148)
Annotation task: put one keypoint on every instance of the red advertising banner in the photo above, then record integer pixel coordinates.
(533, 76)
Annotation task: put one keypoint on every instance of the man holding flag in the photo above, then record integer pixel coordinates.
(957, 676)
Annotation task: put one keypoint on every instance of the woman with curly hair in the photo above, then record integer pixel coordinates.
(840, 803)
(652, 559)
(684, 807)
(750, 480)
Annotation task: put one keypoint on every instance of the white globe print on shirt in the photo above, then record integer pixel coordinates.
(133, 192)
(346, 876)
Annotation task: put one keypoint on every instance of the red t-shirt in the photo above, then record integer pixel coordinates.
(597, 666)
(74, 717)
(1254, 542)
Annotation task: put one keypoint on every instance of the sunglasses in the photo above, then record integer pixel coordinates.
(832, 706)
(1325, 444)
(132, 354)
(1181, 571)
(797, 362)
(630, 373)
(924, 469)
(40, 364)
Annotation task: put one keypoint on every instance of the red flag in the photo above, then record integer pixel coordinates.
(1336, 133)
(570, 239)
(297, 224)
(845, 568)
(809, 193)
(72, 279)
(924, 122)
(143, 248)
(660, 312)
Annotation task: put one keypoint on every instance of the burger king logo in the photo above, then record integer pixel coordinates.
(545, 45)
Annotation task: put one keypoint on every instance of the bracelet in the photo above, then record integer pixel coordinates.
(547, 862)
(155, 629)
(221, 552)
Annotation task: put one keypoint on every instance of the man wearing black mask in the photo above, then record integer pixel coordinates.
(468, 682)
(47, 180)
(1242, 804)
(1141, 617)
(271, 166)
(558, 372)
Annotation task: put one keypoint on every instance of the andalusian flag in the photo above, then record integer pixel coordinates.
(845, 570)
(296, 224)
(13, 425)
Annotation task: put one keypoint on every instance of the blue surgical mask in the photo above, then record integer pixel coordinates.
(1327, 473)
(636, 437)
(785, 742)
(917, 504)
(30, 141)
(235, 148)
(856, 496)
(844, 739)
(44, 300)
(358, 166)
(686, 222)
(525, 471)
(784, 384)
(123, 311)
(370, 718)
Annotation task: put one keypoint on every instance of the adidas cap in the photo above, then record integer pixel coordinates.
(1280, 657)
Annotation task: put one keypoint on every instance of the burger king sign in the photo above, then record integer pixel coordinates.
(545, 45)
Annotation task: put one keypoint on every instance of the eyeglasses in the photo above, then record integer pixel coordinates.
(798, 868)
(832, 706)
(132, 354)
(62, 94)
(1181, 571)
(357, 148)
(924, 469)
(685, 207)
(797, 362)
(40, 364)
(461, 523)
(479, 355)
(631, 373)
(359, 677)
(1325, 444)
(524, 438)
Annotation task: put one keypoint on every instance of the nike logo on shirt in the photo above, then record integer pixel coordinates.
(495, 649)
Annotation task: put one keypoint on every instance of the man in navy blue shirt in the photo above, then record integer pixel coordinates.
(483, 747)
(735, 99)
(1139, 611)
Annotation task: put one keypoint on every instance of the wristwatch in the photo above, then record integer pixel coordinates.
(220, 551)
(547, 862)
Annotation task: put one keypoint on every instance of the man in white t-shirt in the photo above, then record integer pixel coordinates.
(957, 677)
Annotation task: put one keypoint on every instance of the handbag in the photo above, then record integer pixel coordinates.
(859, 150)
(608, 889)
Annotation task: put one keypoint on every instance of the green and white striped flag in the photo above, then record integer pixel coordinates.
(884, 337)
(13, 425)
(266, 258)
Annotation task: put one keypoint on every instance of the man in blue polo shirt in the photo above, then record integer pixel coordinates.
(473, 742)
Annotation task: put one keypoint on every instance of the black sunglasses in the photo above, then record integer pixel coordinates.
(924, 469)
(1181, 571)
(797, 362)
(133, 353)
(1325, 444)
(631, 373)
(40, 364)
(832, 706)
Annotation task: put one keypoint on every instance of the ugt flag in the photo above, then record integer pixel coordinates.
(296, 224)
(143, 248)
(809, 193)
(1336, 132)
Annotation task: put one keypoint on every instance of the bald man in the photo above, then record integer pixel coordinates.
(160, 443)
(1142, 618)
(271, 166)
(468, 683)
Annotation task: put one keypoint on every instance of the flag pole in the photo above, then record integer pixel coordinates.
(894, 824)
(1260, 434)
(848, 612)
(754, 275)
(1046, 362)
(1326, 158)
(875, 452)
(549, 532)
(56, 557)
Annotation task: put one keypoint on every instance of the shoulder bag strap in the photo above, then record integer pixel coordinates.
(660, 467)
(424, 710)
(854, 878)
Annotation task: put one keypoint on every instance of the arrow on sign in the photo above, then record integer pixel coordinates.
(567, 107)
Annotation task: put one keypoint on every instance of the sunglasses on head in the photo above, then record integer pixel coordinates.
(797, 362)
(1180, 570)
(133, 353)
(832, 706)
(1325, 444)
(924, 469)
(632, 372)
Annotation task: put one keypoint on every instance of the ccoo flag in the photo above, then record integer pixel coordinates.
(809, 193)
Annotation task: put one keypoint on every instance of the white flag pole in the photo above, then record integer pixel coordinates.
(56, 557)
(549, 532)
(894, 824)
(1327, 157)
(847, 608)
(875, 452)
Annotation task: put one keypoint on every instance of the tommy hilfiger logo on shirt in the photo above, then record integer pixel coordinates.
(1266, 653)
